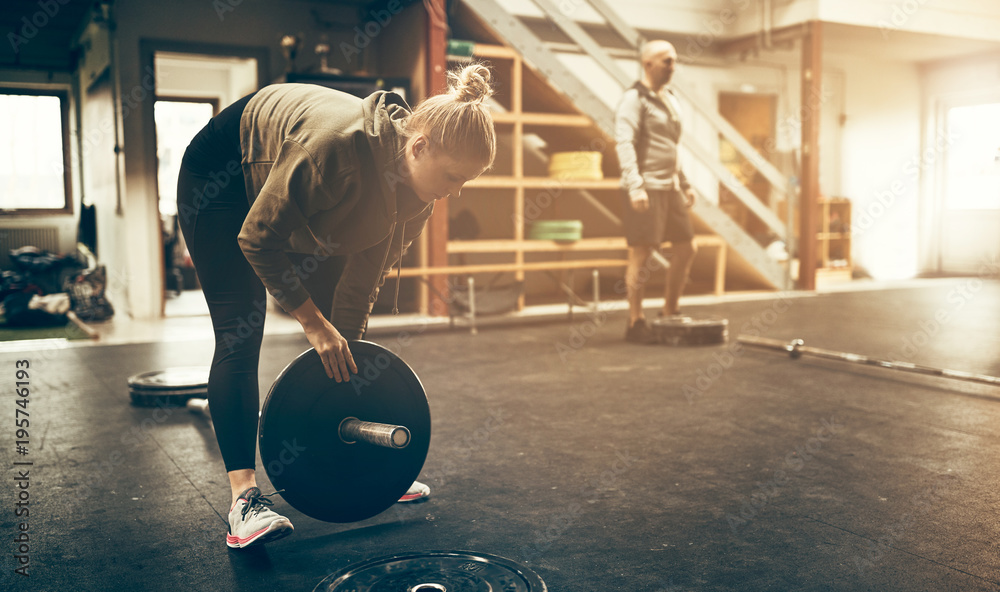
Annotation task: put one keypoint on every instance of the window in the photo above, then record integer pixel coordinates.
(34, 151)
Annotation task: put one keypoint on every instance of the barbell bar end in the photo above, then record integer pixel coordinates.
(793, 348)
(352, 429)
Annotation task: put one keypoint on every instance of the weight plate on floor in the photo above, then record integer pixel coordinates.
(162, 398)
(685, 330)
(171, 379)
(168, 388)
(301, 449)
(435, 571)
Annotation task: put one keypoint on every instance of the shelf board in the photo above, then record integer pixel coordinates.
(505, 182)
(511, 267)
(543, 119)
(535, 246)
(548, 246)
(483, 50)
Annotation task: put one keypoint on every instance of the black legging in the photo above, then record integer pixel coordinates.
(212, 205)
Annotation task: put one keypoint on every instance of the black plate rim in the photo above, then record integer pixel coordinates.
(134, 381)
(526, 573)
(368, 348)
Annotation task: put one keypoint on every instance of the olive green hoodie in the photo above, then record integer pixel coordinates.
(322, 170)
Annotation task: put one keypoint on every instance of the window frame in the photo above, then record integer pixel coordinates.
(63, 96)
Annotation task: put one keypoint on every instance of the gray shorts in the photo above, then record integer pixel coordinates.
(666, 219)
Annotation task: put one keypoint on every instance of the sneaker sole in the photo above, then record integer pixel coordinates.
(416, 497)
(277, 530)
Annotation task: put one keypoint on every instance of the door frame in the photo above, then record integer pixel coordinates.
(148, 48)
(933, 211)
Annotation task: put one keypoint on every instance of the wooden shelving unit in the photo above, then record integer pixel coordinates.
(834, 262)
(503, 250)
(509, 67)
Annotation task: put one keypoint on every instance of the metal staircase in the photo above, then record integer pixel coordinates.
(545, 60)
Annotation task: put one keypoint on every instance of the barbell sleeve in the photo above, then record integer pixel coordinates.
(354, 430)
(796, 347)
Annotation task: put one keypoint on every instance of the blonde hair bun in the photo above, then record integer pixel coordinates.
(459, 121)
(471, 84)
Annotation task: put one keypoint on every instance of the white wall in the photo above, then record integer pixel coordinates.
(881, 168)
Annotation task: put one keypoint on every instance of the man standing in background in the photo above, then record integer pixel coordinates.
(657, 195)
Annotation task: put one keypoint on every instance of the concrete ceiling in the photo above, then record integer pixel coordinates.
(39, 34)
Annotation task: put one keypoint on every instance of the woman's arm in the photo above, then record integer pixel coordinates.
(327, 341)
(294, 191)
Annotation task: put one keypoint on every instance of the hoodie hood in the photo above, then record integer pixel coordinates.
(385, 125)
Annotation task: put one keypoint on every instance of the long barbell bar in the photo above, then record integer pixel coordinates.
(797, 347)
(352, 430)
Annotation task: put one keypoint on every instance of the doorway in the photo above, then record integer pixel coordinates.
(753, 116)
(969, 224)
(191, 88)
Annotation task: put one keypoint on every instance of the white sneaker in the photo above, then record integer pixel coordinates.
(418, 491)
(252, 522)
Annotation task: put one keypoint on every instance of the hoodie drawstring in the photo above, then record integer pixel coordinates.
(399, 270)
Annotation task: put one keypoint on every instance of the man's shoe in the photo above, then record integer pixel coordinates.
(640, 333)
(418, 491)
(252, 522)
(676, 316)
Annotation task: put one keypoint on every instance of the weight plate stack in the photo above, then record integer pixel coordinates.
(684, 330)
(434, 571)
(168, 388)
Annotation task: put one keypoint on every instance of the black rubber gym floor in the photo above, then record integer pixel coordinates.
(600, 465)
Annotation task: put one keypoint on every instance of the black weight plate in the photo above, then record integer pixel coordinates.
(452, 571)
(684, 330)
(171, 379)
(163, 398)
(301, 449)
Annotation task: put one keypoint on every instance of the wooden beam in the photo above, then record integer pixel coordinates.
(812, 94)
(437, 82)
